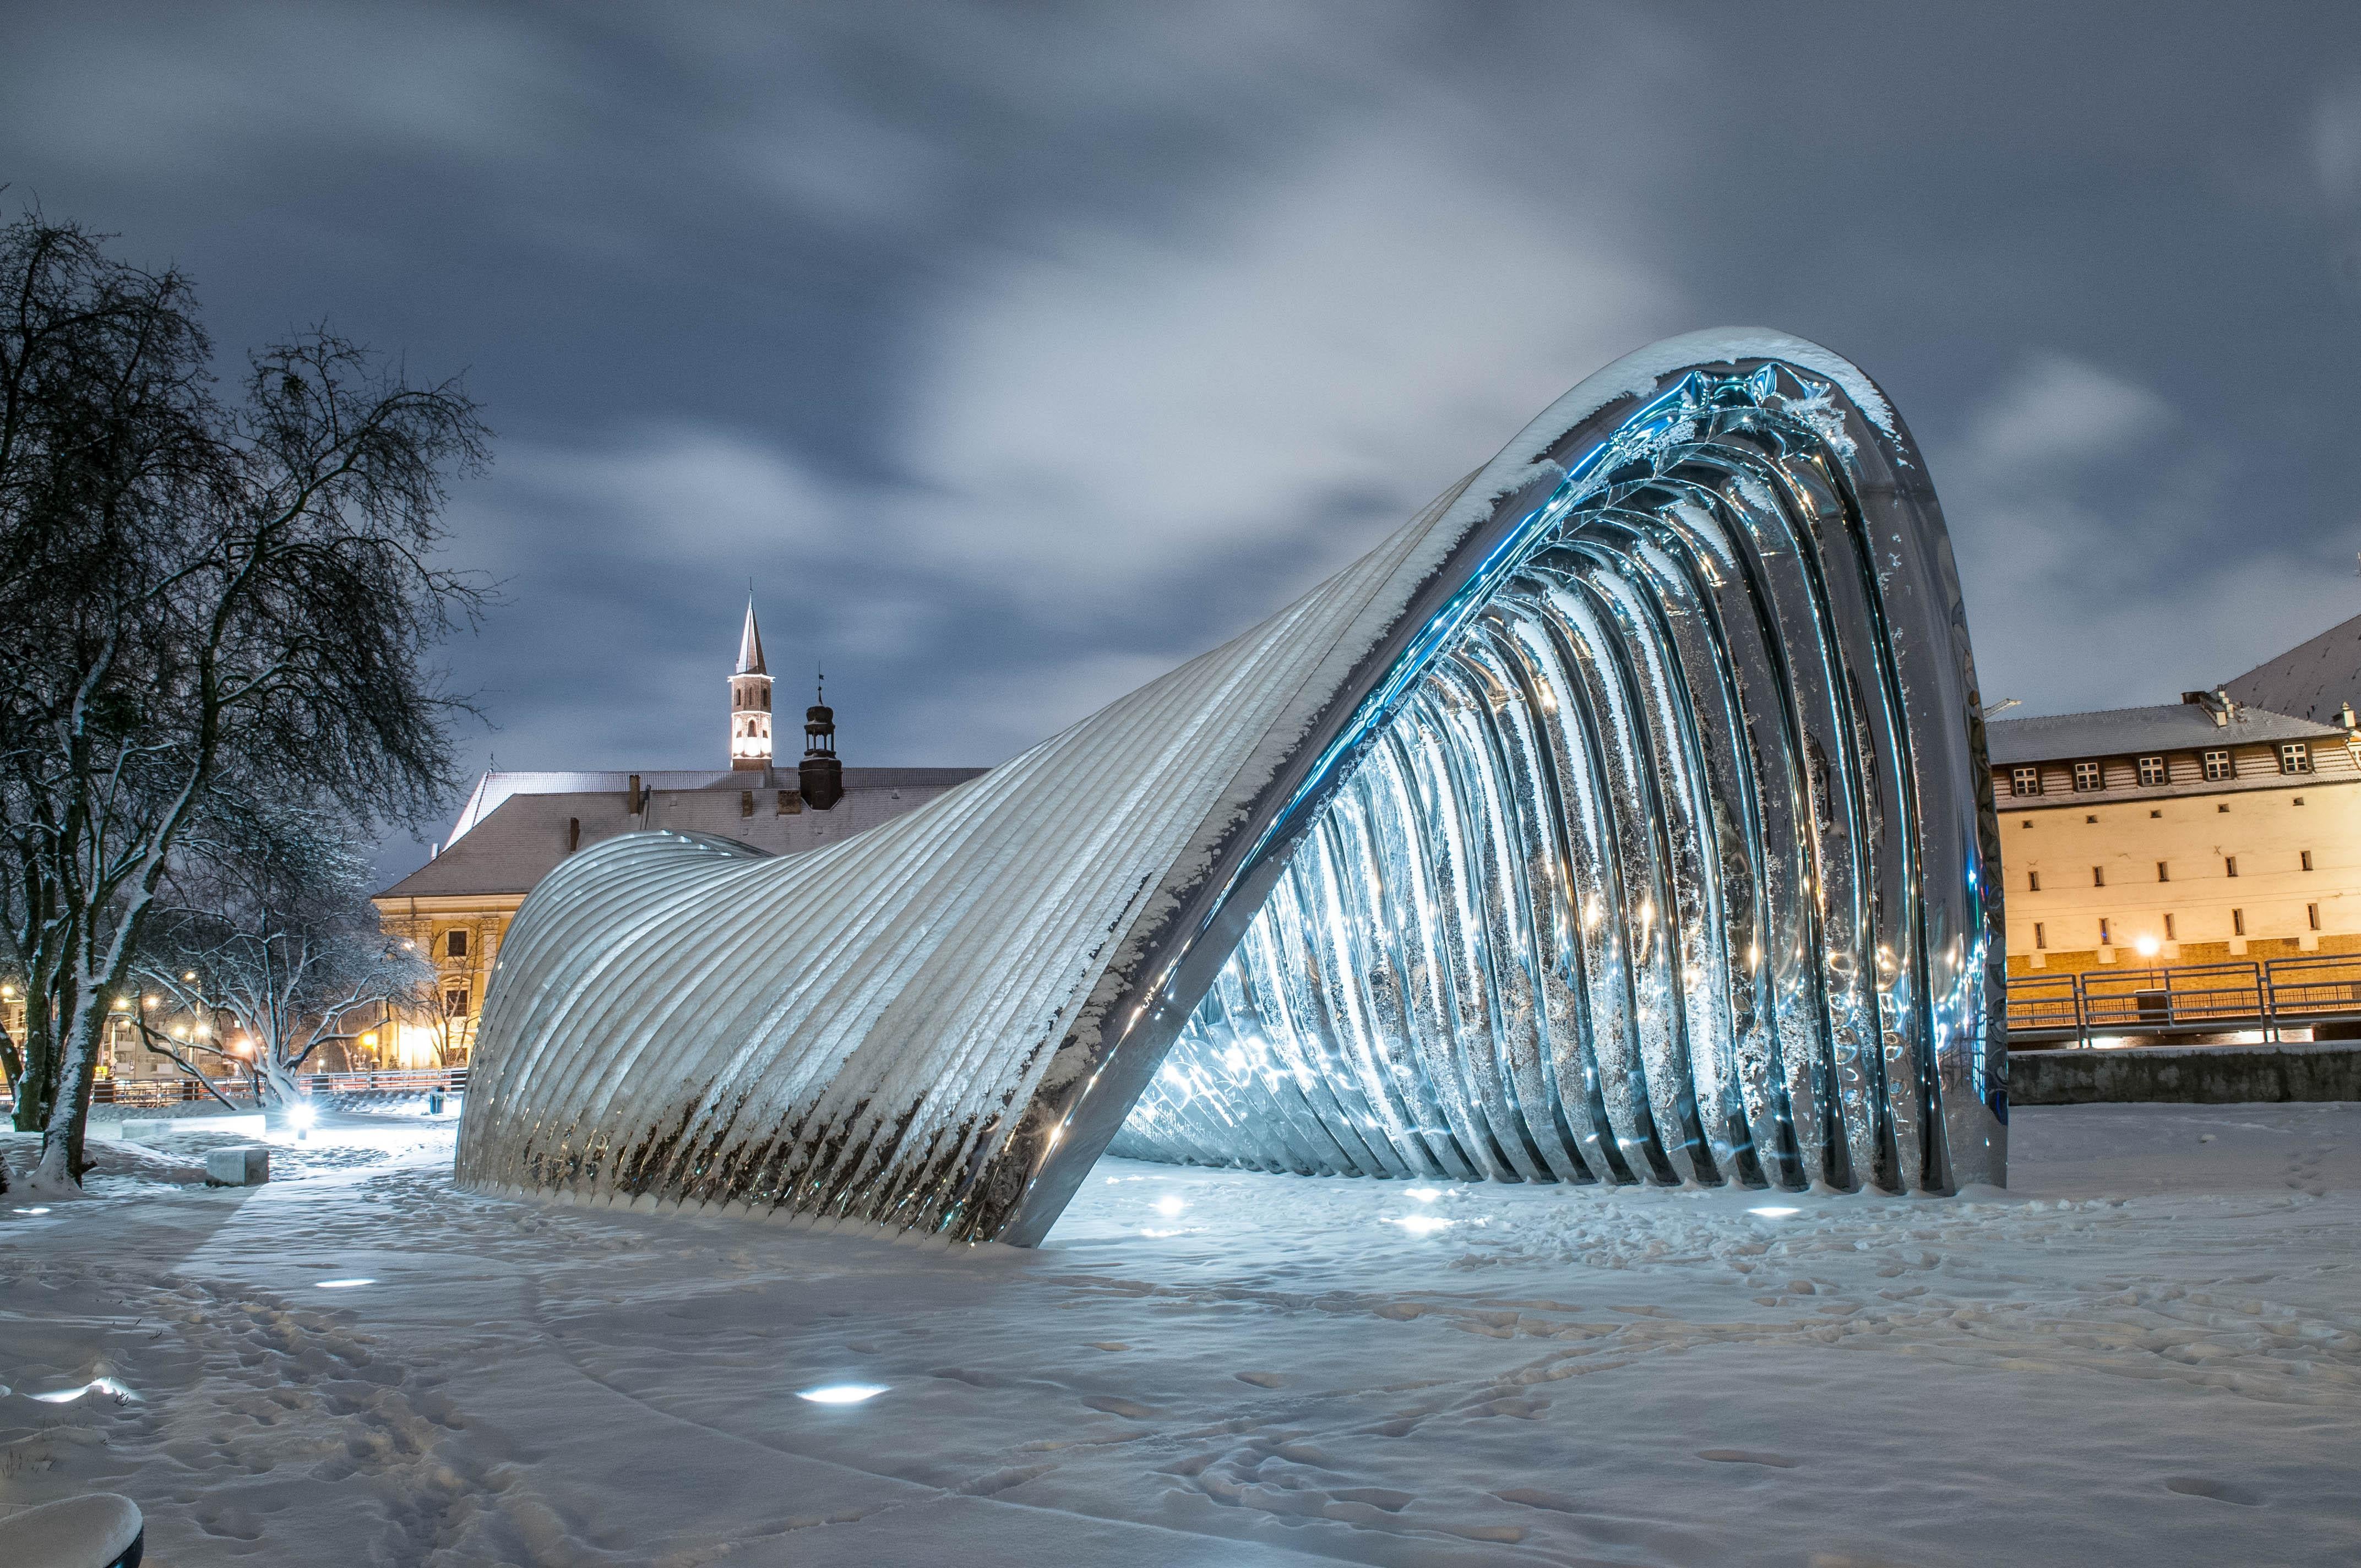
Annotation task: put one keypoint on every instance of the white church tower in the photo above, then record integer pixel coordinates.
(749, 699)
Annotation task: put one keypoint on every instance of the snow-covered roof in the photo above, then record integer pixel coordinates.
(492, 788)
(524, 836)
(2126, 732)
(939, 1024)
(2313, 680)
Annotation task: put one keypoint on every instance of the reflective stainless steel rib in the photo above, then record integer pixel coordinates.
(1624, 817)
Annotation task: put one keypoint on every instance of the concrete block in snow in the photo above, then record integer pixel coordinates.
(242, 1166)
(140, 1132)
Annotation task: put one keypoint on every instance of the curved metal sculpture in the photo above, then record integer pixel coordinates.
(1624, 817)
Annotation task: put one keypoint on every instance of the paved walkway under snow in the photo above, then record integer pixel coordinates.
(2149, 1350)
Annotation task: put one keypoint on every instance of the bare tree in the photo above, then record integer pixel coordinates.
(208, 601)
(276, 948)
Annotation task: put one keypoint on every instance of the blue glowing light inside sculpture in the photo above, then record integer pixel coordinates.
(1614, 876)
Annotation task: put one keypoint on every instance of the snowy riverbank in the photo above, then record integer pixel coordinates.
(2149, 1350)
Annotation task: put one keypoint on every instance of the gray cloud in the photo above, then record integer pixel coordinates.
(1018, 353)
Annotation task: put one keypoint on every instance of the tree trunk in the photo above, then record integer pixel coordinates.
(37, 1089)
(61, 1162)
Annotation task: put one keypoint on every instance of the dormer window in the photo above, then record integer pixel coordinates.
(2218, 767)
(2295, 757)
(2087, 776)
(2025, 780)
(2152, 772)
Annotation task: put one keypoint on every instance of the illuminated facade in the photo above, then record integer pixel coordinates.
(1624, 817)
(2196, 833)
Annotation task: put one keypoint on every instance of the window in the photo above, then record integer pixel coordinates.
(2152, 772)
(2106, 938)
(2033, 881)
(2237, 922)
(2311, 912)
(2025, 780)
(2041, 937)
(2168, 930)
(2087, 776)
(2229, 865)
(455, 946)
(2164, 870)
(2218, 766)
(454, 1004)
(2098, 876)
(2295, 757)
(745, 803)
(2307, 859)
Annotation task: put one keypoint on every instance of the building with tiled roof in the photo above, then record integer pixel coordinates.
(2202, 831)
(516, 828)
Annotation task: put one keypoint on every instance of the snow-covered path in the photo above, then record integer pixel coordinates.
(2149, 1350)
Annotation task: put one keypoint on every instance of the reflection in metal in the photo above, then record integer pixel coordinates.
(1622, 818)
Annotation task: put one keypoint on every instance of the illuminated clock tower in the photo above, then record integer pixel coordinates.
(749, 700)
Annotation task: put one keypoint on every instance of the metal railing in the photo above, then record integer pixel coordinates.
(153, 1094)
(404, 1081)
(148, 1094)
(2185, 999)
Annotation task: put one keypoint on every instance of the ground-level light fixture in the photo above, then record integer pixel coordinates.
(841, 1393)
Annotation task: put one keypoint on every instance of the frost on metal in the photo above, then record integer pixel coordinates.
(1621, 819)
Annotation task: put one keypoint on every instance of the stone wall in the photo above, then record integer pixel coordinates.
(2200, 1075)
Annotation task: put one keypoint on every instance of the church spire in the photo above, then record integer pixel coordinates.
(750, 642)
(750, 699)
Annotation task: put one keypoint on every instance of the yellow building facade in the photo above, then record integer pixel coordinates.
(2198, 833)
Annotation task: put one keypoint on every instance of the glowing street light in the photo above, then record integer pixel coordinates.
(2146, 947)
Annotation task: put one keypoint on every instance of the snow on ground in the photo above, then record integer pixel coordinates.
(2149, 1350)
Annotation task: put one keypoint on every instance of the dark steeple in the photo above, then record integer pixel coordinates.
(820, 774)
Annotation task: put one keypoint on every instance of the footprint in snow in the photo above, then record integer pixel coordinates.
(1115, 1407)
(1533, 1498)
(1262, 1380)
(2220, 1491)
(1748, 1456)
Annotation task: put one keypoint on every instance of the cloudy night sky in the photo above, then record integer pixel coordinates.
(1017, 353)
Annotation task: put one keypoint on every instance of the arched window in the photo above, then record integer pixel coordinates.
(456, 945)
